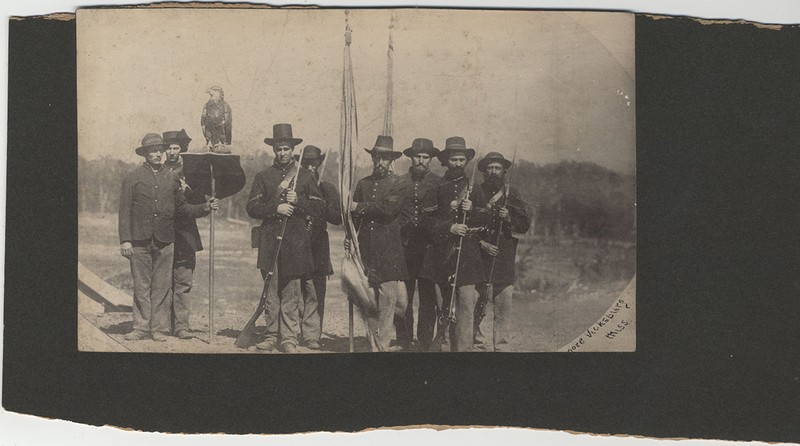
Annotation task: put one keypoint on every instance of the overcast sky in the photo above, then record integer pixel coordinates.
(556, 85)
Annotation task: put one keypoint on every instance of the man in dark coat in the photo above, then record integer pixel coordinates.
(314, 303)
(511, 218)
(448, 202)
(150, 200)
(217, 120)
(187, 237)
(377, 202)
(273, 200)
(416, 241)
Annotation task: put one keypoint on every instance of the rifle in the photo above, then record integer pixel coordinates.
(247, 336)
(449, 302)
(488, 290)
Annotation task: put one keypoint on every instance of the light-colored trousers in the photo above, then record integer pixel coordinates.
(282, 312)
(380, 328)
(311, 310)
(151, 267)
(501, 324)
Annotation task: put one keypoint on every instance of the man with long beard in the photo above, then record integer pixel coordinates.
(377, 202)
(451, 199)
(273, 200)
(416, 242)
(499, 245)
(314, 302)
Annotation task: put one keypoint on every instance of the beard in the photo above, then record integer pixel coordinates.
(494, 182)
(418, 171)
(455, 172)
(380, 171)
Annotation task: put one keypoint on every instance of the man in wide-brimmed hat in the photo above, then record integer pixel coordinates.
(187, 237)
(377, 204)
(450, 200)
(416, 241)
(272, 200)
(511, 218)
(313, 314)
(150, 201)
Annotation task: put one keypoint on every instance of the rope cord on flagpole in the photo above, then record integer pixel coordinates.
(388, 127)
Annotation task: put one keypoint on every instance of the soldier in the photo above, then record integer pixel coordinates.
(273, 200)
(416, 242)
(448, 202)
(150, 200)
(314, 303)
(511, 217)
(377, 202)
(187, 238)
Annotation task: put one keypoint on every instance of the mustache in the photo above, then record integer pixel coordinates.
(458, 171)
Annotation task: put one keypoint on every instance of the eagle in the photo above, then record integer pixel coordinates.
(216, 121)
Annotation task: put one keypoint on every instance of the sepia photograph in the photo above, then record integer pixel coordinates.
(304, 180)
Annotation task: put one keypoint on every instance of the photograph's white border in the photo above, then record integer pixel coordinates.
(18, 429)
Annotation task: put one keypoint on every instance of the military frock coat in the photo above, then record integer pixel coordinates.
(440, 261)
(295, 259)
(187, 236)
(519, 212)
(320, 244)
(416, 240)
(377, 219)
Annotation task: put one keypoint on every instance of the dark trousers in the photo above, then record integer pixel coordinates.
(321, 287)
(426, 316)
(182, 272)
(151, 267)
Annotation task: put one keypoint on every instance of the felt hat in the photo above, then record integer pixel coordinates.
(453, 146)
(150, 141)
(384, 145)
(421, 145)
(177, 137)
(282, 133)
(493, 157)
(311, 153)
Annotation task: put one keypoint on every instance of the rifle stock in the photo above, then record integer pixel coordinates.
(247, 336)
(488, 289)
(449, 306)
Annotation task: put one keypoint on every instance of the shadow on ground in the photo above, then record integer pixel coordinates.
(120, 328)
(341, 344)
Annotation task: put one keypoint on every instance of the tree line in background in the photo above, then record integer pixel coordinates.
(569, 198)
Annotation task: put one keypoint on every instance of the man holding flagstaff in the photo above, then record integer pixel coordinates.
(458, 212)
(314, 302)
(273, 199)
(416, 242)
(377, 202)
(511, 217)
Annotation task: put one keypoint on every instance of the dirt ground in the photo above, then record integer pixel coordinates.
(543, 321)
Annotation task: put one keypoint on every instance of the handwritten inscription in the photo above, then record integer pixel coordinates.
(609, 325)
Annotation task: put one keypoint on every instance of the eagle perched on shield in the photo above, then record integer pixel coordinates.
(216, 120)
